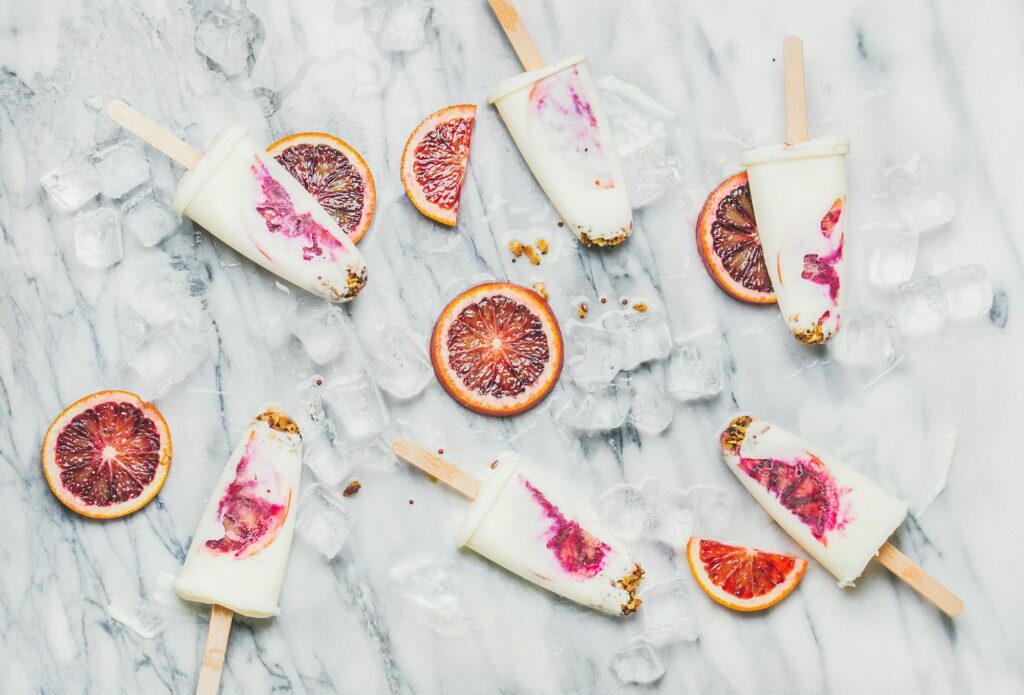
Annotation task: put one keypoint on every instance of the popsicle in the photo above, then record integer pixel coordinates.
(519, 520)
(240, 548)
(241, 195)
(841, 518)
(799, 194)
(558, 123)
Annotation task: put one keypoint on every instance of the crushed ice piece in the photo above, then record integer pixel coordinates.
(650, 173)
(355, 408)
(323, 331)
(864, 341)
(638, 663)
(921, 308)
(165, 357)
(433, 589)
(600, 408)
(921, 203)
(628, 510)
(891, 254)
(652, 409)
(98, 239)
(697, 366)
(72, 184)
(595, 356)
(375, 456)
(699, 510)
(943, 464)
(668, 613)
(323, 521)
(647, 335)
(968, 292)
(321, 455)
(122, 167)
(160, 294)
(137, 617)
(398, 363)
(149, 217)
(230, 41)
(404, 27)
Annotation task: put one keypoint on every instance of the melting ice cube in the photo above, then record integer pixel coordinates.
(652, 409)
(72, 184)
(230, 41)
(149, 217)
(322, 456)
(165, 357)
(628, 510)
(398, 363)
(638, 663)
(865, 341)
(647, 335)
(968, 292)
(669, 613)
(323, 331)
(891, 253)
(323, 521)
(354, 405)
(122, 167)
(696, 367)
(404, 27)
(98, 240)
(921, 308)
(595, 355)
(600, 408)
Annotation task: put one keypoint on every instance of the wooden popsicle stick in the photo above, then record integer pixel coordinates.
(922, 582)
(145, 129)
(216, 648)
(796, 100)
(432, 464)
(518, 36)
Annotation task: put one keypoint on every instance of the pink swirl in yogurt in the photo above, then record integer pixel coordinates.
(577, 551)
(821, 269)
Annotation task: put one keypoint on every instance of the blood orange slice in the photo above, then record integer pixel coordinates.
(107, 455)
(744, 579)
(435, 159)
(334, 174)
(497, 349)
(728, 243)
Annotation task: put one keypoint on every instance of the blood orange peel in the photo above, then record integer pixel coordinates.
(107, 455)
(744, 579)
(333, 173)
(435, 159)
(728, 243)
(497, 349)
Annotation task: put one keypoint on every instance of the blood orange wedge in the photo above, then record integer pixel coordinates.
(107, 454)
(435, 159)
(728, 243)
(497, 349)
(744, 579)
(334, 174)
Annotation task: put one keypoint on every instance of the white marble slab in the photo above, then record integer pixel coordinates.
(932, 84)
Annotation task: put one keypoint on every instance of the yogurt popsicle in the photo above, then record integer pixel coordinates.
(799, 196)
(240, 549)
(521, 521)
(836, 514)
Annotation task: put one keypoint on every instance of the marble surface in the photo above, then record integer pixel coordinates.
(922, 86)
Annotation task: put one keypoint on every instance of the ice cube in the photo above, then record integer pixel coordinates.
(323, 331)
(650, 173)
(638, 663)
(375, 456)
(646, 334)
(323, 521)
(72, 184)
(628, 510)
(968, 292)
(921, 203)
(230, 41)
(353, 404)
(595, 355)
(864, 341)
(652, 409)
(921, 308)
(696, 367)
(137, 617)
(122, 167)
(433, 589)
(323, 458)
(159, 294)
(404, 27)
(668, 613)
(701, 509)
(891, 254)
(165, 357)
(149, 217)
(602, 407)
(398, 363)
(98, 240)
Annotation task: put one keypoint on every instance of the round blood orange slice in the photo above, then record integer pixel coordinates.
(744, 579)
(728, 243)
(435, 159)
(334, 174)
(497, 349)
(107, 455)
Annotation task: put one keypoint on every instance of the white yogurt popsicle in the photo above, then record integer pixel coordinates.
(799, 197)
(240, 549)
(559, 126)
(836, 514)
(241, 195)
(525, 524)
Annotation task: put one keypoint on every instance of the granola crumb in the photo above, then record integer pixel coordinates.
(352, 488)
(532, 255)
(540, 289)
(631, 584)
(494, 464)
(583, 310)
(516, 247)
(640, 307)
(542, 244)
